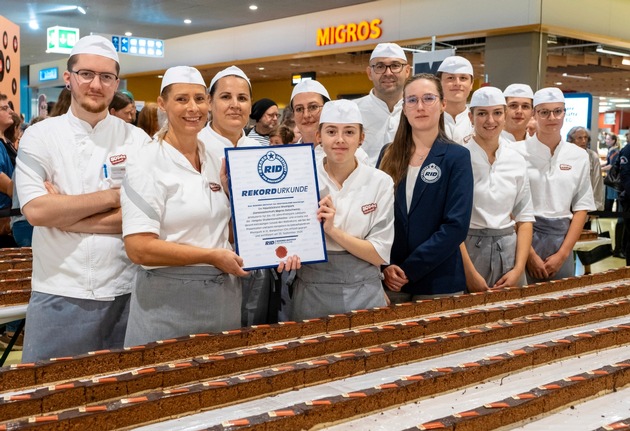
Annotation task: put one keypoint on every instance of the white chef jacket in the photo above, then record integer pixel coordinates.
(364, 206)
(216, 144)
(508, 136)
(73, 156)
(163, 194)
(379, 124)
(360, 155)
(501, 188)
(560, 184)
(459, 127)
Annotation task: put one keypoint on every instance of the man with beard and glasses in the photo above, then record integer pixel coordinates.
(68, 175)
(380, 110)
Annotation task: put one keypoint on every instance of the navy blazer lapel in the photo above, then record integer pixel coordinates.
(435, 156)
(400, 201)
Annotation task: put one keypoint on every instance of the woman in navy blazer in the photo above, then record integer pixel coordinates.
(434, 194)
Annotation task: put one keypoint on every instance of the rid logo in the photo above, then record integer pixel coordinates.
(272, 168)
(270, 242)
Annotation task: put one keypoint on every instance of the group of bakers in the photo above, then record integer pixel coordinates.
(422, 195)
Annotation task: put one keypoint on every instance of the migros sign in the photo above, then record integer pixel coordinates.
(350, 32)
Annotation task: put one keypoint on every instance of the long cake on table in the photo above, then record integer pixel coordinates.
(217, 373)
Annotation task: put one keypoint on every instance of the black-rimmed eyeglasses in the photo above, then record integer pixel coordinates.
(87, 76)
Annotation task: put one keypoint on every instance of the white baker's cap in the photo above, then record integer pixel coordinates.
(341, 111)
(518, 90)
(229, 71)
(487, 96)
(181, 75)
(97, 45)
(548, 95)
(309, 86)
(388, 50)
(456, 64)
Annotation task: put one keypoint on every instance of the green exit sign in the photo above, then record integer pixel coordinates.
(61, 40)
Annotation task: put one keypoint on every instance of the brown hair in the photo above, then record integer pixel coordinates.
(120, 101)
(148, 119)
(62, 105)
(398, 154)
(13, 132)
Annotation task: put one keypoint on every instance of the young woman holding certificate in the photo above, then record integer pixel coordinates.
(357, 212)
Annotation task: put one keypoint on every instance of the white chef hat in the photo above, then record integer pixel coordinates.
(388, 50)
(97, 45)
(548, 95)
(518, 90)
(456, 64)
(181, 75)
(309, 86)
(341, 111)
(229, 71)
(487, 96)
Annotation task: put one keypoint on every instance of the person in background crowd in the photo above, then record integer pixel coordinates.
(6, 169)
(433, 198)
(281, 135)
(134, 112)
(287, 134)
(531, 127)
(559, 177)
(69, 170)
(624, 197)
(357, 212)
(123, 107)
(9, 136)
(287, 116)
(612, 195)
(6, 123)
(265, 113)
(581, 137)
(63, 103)
(148, 119)
(500, 234)
(274, 137)
(519, 98)
(456, 74)
(381, 108)
(611, 158)
(15, 132)
(307, 100)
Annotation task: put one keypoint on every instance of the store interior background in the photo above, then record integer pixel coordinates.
(571, 63)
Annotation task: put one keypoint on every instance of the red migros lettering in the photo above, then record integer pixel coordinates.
(351, 32)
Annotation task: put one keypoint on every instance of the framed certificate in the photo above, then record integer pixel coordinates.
(274, 197)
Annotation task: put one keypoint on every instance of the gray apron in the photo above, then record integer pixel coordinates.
(548, 237)
(493, 253)
(342, 284)
(178, 301)
(256, 289)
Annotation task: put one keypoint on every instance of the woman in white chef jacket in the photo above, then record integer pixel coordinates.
(357, 211)
(500, 235)
(176, 225)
